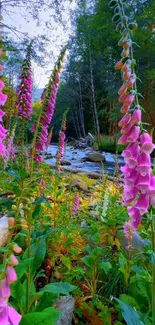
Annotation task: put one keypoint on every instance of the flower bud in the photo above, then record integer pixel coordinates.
(24, 224)
(124, 19)
(125, 53)
(121, 42)
(122, 90)
(14, 207)
(11, 274)
(13, 260)
(126, 75)
(125, 67)
(17, 249)
(119, 27)
(133, 26)
(118, 65)
(11, 222)
(127, 44)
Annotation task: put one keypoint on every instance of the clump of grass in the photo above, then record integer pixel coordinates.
(109, 144)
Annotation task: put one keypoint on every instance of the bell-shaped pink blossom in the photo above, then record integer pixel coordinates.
(4, 289)
(126, 75)
(14, 317)
(3, 99)
(127, 128)
(131, 154)
(123, 97)
(125, 109)
(3, 132)
(152, 185)
(136, 116)
(142, 203)
(146, 143)
(131, 82)
(135, 215)
(143, 183)
(125, 120)
(129, 99)
(133, 134)
(144, 164)
(131, 181)
(126, 170)
(122, 140)
(129, 194)
(1, 115)
(122, 90)
(11, 274)
(131, 150)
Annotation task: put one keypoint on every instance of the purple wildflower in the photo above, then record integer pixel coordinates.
(24, 90)
(8, 315)
(49, 99)
(76, 205)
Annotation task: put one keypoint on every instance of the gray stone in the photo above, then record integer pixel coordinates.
(66, 306)
(84, 224)
(137, 242)
(79, 184)
(65, 163)
(94, 157)
(4, 231)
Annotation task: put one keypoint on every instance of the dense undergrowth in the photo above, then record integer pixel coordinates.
(84, 255)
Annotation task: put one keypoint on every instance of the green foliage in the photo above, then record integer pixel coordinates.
(48, 316)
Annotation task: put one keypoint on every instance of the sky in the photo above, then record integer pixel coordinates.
(58, 35)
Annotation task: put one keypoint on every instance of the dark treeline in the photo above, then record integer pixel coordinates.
(90, 83)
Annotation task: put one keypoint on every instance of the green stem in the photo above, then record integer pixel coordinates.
(22, 146)
(153, 267)
(34, 142)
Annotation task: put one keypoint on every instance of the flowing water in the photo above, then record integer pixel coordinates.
(75, 156)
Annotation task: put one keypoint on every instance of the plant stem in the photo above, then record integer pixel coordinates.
(22, 147)
(153, 267)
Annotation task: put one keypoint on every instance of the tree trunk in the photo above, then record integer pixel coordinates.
(94, 99)
(81, 112)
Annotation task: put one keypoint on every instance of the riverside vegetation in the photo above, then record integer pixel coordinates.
(96, 243)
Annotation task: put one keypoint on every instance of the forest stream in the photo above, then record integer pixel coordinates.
(75, 158)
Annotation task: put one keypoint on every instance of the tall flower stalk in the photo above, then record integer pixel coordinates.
(62, 138)
(24, 90)
(41, 128)
(3, 99)
(139, 181)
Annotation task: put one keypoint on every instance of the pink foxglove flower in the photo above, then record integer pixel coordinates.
(49, 99)
(76, 205)
(8, 315)
(24, 90)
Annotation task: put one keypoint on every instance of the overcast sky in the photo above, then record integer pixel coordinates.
(58, 35)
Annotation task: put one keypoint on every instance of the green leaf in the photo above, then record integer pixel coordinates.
(59, 288)
(128, 300)
(39, 256)
(106, 266)
(46, 301)
(48, 316)
(130, 315)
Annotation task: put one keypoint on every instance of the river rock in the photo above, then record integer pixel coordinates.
(94, 157)
(137, 242)
(65, 163)
(4, 231)
(79, 184)
(66, 306)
